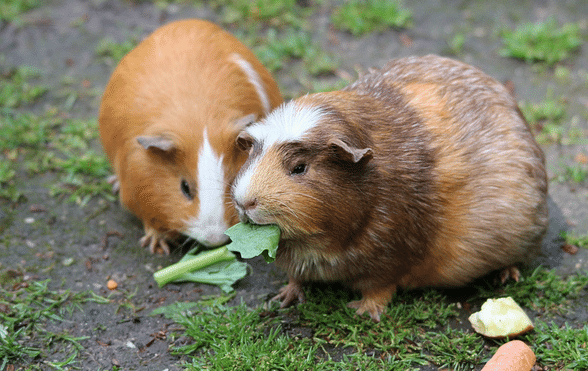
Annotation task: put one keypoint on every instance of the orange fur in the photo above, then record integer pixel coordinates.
(177, 82)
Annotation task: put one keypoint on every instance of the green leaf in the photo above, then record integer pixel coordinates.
(251, 240)
(206, 261)
(174, 310)
(222, 274)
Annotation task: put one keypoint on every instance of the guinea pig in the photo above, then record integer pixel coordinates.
(169, 118)
(421, 174)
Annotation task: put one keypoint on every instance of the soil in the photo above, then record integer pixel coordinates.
(41, 231)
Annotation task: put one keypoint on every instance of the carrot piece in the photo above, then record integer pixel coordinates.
(512, 356)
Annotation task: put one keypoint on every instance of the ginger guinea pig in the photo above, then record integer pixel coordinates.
(168, 121)
(423, 173)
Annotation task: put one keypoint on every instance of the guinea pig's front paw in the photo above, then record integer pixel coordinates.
(373, 302)
(155, 241)
(114, 182)
(373, 308)
(511, 272)
(289, 293)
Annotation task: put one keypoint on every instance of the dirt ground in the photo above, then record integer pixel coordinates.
(60, 39)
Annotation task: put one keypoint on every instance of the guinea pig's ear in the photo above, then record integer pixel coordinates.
(245, 121)
(160, 143)
(350, 154)
(244, 141)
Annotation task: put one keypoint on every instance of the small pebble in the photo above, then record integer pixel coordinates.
(111, 284)
(68, 262)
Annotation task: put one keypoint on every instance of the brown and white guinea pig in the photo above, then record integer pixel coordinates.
(169, 118)
(423, 173)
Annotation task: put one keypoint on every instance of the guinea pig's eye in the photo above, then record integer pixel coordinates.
(244, 141)
(185, 187)
(299, 169)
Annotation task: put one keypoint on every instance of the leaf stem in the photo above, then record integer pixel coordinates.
(204, 259)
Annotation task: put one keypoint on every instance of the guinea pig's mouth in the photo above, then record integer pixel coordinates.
(252, 216)
(245, 218)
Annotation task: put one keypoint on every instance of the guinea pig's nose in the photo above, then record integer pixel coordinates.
(250, 204)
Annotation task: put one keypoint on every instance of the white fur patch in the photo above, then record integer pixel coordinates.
(209, 226)
(241, 184)
(287, 123)
(254, 79)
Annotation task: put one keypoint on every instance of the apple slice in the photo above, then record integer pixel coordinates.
(500, 318)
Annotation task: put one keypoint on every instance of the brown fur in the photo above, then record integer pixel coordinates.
(456, 187)
(174, 84)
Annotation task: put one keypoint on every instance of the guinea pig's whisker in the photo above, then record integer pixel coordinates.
(292, 212)
(190, 242)
(185, 242)
(307, 195)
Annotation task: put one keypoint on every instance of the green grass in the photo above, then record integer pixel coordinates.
(561, 347)
(543, 291)
(575, 239)
(276, 13)
(112, 52)
(279, 50)
(454, 349)
(17, 87)
(364, 16)
(325, 85)
(576, 173)
(546, 118)
(542, 42)
(10, 10)
(293, 51)
(20, 134)
(37, 144)
(456, 43)
(26, 309)
(417, 329)
(8, 189)
(551, 109)
(80, 190)
(241, 339)
(336, 324)
(6, 172)
(562, 74)
(23, 130)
